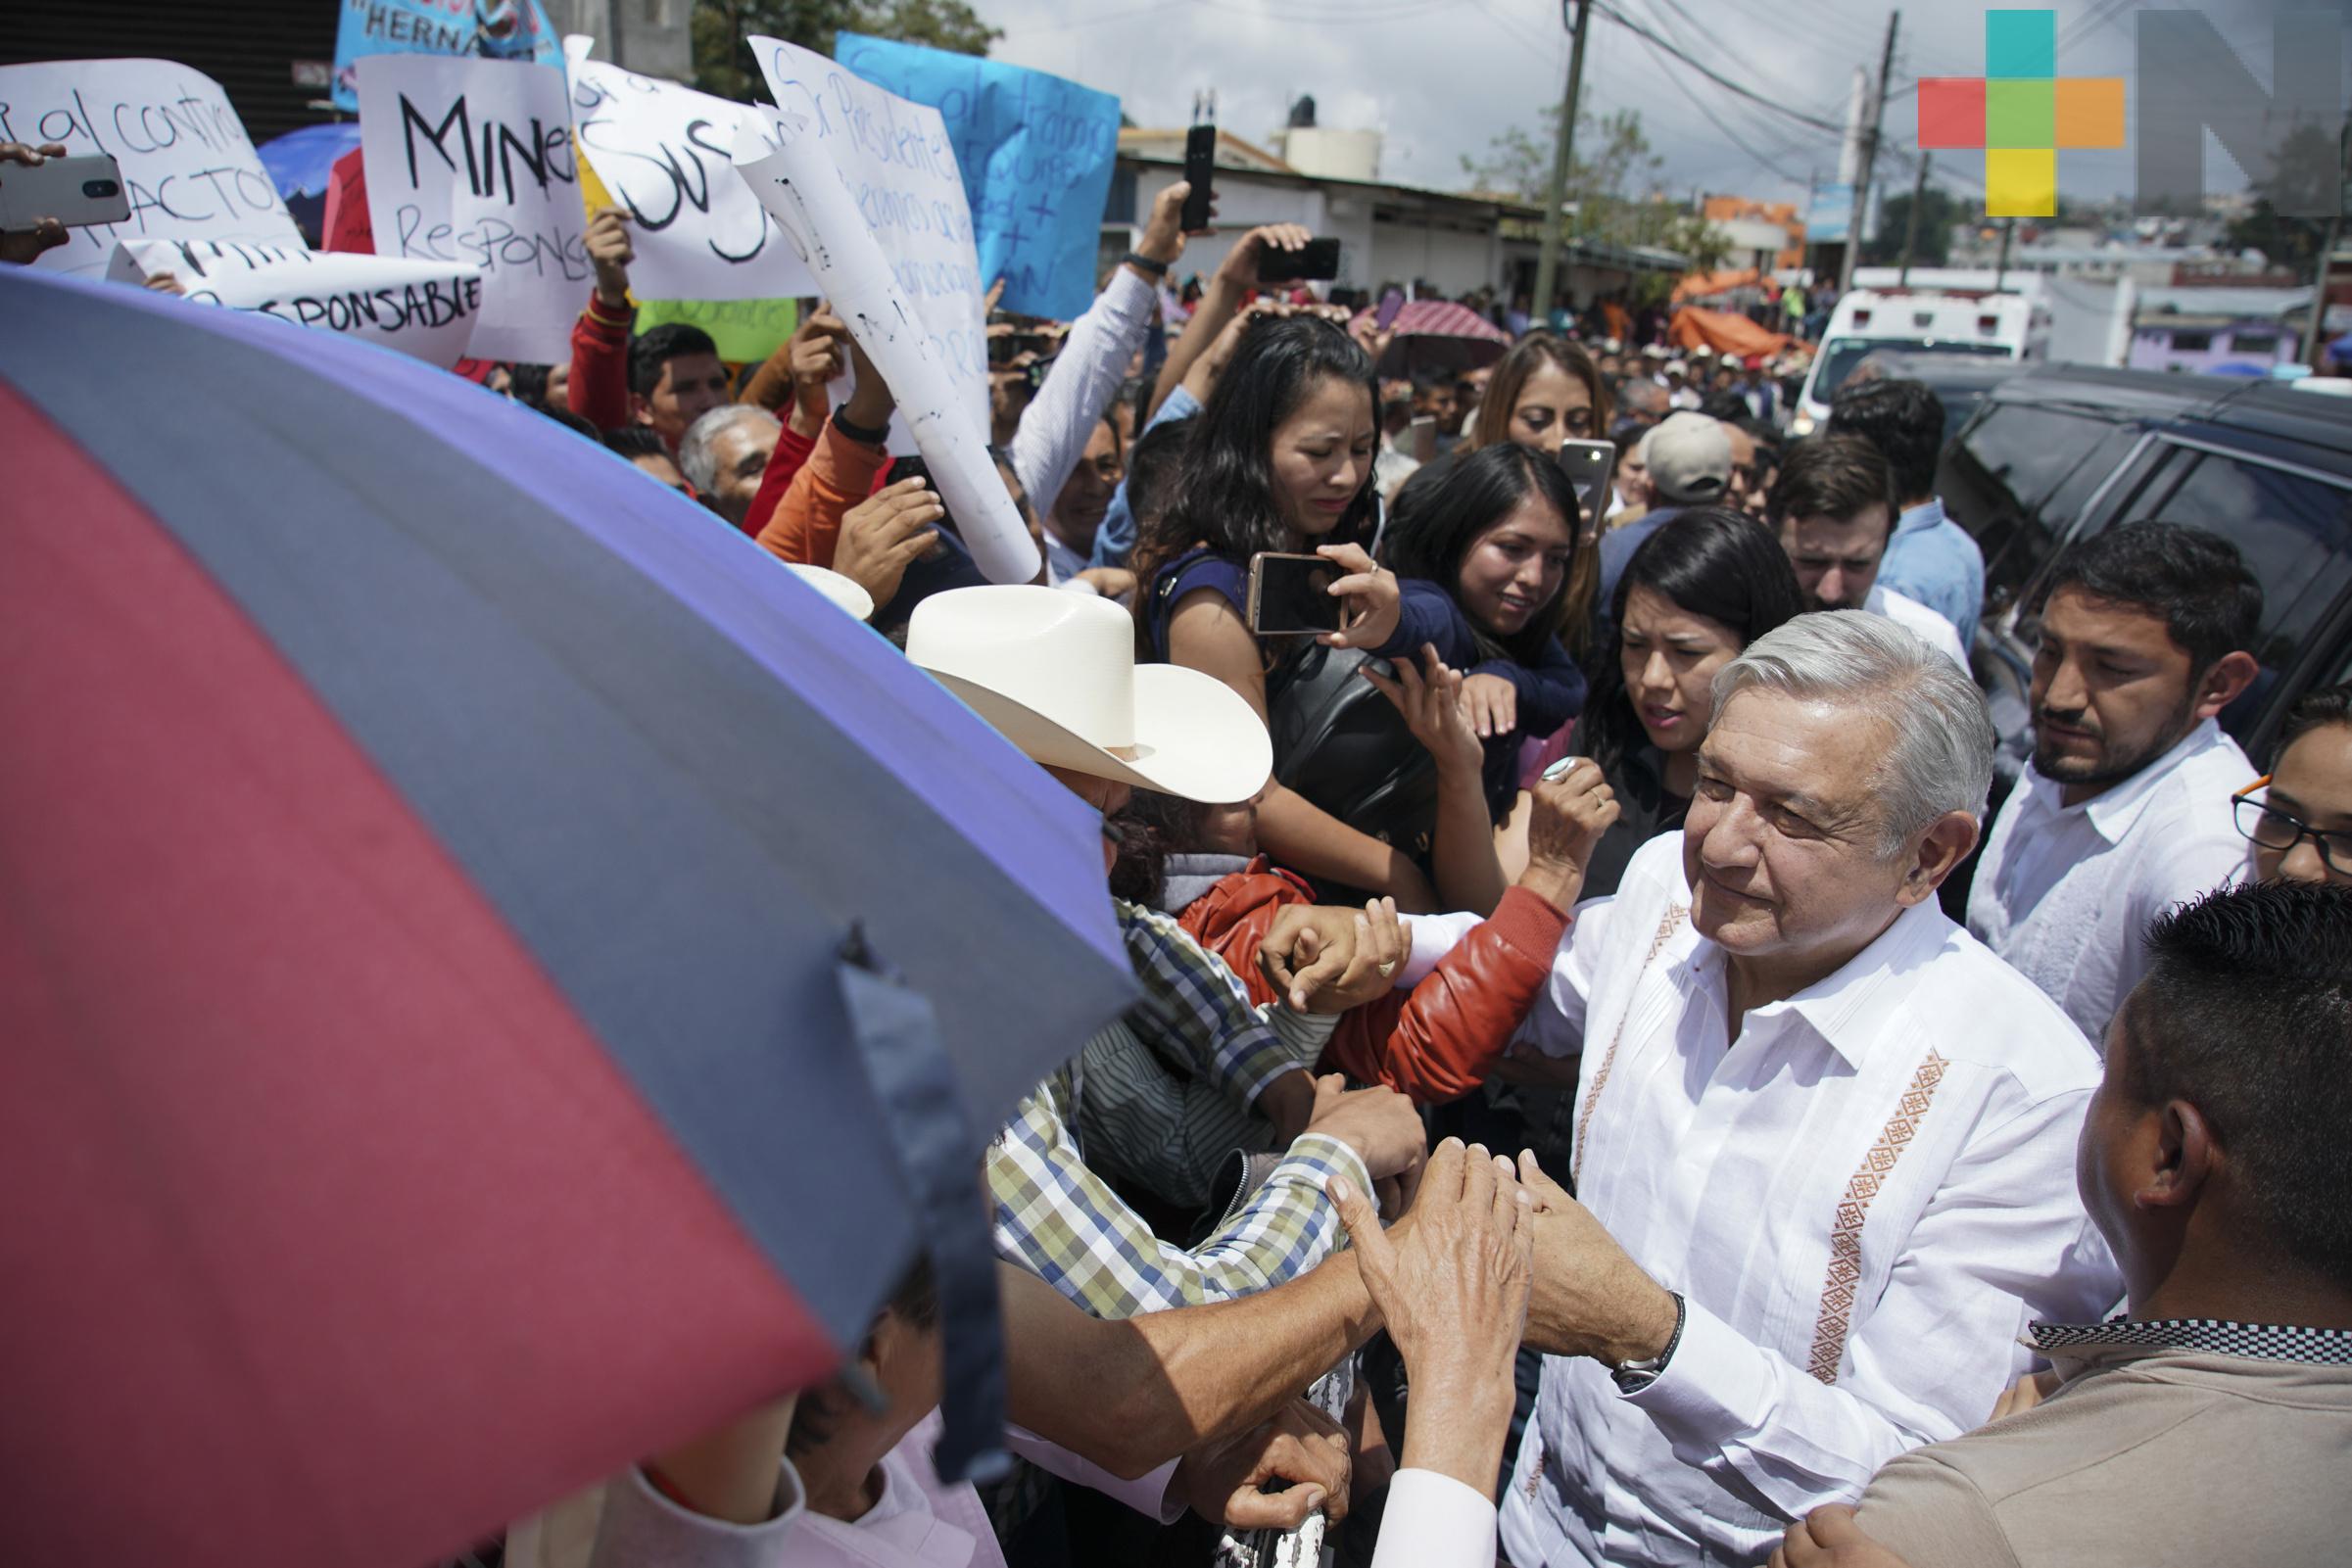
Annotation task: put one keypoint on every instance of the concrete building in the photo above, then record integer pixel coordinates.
(652, 37)
(1451, 241)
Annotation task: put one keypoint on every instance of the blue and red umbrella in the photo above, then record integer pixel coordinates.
(428, 1076)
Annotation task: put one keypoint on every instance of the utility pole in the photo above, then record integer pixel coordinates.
(1578, 15)
(1862, 185)
(1910, 229)
(2000, 270)
(2317, 330)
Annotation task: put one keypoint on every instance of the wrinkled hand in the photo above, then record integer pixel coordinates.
(1590, 1297)
(1434, 710)
(1453, 1286)
(1327, 959)
(20, 246)
(610, 250)
(1240, 265)
(884, 534)
(817, 350)
(1301, 1447)
(1566, 822)
(1162, 230)
(1380, 1125)
(1374, 595)
(1493, 703)
(1828, 1538)
(2024, 1394)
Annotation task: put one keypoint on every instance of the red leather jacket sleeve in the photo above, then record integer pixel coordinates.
(1445, 1037)
(1439, 1041)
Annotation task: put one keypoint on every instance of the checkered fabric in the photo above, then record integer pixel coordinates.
(2271, 1341)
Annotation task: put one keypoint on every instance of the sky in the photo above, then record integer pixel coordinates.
(1441, 78)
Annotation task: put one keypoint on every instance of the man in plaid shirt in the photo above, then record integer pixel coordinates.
(1055, 673)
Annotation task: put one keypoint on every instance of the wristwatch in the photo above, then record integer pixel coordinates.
(1631, 1377)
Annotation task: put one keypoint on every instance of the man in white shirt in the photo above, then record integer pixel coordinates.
(1825, 1141)
(2125, 810)
(1833, 507)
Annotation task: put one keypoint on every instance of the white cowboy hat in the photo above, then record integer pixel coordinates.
(843, 592)
(1055, 674)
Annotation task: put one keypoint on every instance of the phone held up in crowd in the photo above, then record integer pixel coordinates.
(1290, 595)
(1200, 160)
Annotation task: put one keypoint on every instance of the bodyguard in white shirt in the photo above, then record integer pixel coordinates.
(1833, 507)
(2125, 810)
(1825, 1141)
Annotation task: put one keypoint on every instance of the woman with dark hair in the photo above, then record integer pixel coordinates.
(1279, 460)
(1697, 592)
(2298, 817)
(1545, 391)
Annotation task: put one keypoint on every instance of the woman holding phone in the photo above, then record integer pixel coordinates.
(1279, 461)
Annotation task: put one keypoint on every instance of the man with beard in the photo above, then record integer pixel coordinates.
(2125, 809)
(1833, 507)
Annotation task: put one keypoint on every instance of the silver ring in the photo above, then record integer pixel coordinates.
(1388, 969)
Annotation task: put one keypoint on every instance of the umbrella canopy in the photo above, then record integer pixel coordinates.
(299, 161)
(1725, 332)
(1439, 335)
(427, 1076)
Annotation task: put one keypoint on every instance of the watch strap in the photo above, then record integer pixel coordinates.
(1631, 1377)
(1145, 264)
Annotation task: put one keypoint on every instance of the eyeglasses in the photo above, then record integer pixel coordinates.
(2266, 824)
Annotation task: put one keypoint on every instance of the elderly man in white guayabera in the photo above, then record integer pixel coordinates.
(1824, 1140)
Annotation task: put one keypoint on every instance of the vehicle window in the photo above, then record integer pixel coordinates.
(2002, 481)
(2294, 532)
(1840, 356)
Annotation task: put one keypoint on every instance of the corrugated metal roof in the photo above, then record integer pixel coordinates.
(248, 46)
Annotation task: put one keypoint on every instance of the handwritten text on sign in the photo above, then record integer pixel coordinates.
(187, 165)
(494, 29)
(865, 185)
(1037, 154)
(666, 151)
(471, 161)
(422, 308)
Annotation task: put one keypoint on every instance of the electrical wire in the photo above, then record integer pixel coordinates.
(1641, 30)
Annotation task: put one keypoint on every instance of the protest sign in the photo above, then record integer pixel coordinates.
(471, 161)
(425, 310)
(747, 331)
(865, 185)
(665, 153)
(487, 30)
(1037, 154)
(187, 165)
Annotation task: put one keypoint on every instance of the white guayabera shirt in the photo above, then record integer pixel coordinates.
(1863, 1202)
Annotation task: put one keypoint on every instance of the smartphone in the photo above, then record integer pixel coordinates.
(1391, 304)
(1315, 262)
(75, 191)
(1290, 595)
(1590, 465)
(1420, 439)
(1200, 163)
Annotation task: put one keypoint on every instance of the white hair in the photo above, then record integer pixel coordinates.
(700, 468)
(1941, 757)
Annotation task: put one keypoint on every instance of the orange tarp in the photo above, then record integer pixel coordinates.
(1701, 285)
(1724, 332)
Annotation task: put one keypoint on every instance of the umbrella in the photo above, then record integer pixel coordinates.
(1439, 335)
(428, 1073)
(299, 163)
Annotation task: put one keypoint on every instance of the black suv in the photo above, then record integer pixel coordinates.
(2061, 452)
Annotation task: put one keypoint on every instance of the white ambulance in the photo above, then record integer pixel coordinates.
(2004, 326)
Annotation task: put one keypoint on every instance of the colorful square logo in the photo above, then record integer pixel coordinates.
(2020, 112)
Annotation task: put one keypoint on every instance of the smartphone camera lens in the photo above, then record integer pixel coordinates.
(98, 190)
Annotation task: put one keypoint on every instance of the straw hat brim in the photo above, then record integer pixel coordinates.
(1195, 737)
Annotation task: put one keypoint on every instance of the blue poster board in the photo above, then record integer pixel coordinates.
(1035, 152)
(495, 29)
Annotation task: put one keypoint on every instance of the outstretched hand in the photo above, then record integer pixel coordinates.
(1301, 1448)
(1434, 710)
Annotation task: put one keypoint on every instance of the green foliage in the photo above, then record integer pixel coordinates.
(1938, 213)
(2306, 165)
(1613, 186)
(724, 66)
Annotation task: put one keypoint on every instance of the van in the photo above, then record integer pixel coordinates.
(1989, 326)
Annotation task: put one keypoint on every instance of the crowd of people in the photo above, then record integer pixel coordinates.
(1553, 1048)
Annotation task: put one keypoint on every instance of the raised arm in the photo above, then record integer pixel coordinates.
(1231, 282)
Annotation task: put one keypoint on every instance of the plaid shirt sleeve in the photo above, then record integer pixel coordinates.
(1063, 1224)
(1193, 1003)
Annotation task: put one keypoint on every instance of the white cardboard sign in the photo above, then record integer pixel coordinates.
(187, 164)
(426, 309)
(866, 186)
(470, 161)
(666, 151)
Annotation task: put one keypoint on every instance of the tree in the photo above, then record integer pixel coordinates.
(723, 63)
(1614, 192)
(1936, 216)
(2305, 170)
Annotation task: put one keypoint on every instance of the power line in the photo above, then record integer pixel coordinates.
(1713, 75)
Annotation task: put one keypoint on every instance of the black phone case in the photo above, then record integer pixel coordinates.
(1200, 163)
